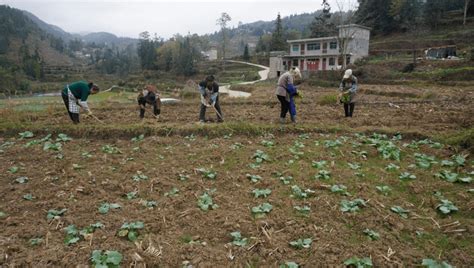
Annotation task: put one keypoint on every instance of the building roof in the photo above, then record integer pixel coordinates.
(312, 39)
(354, 25)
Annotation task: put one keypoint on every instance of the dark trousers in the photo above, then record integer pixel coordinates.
(285, 106)
(74, 117)
(202, 112)
(150, 99)
(349, 109)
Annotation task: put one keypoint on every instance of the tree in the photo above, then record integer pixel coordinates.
(346, 34)
(246, 55)
(376, 14)
(321, 26)
(466, 7)
(147, 50)
(222, 22)
(406, 13)
(278, 40)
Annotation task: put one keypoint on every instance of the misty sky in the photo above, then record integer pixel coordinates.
(163, 17)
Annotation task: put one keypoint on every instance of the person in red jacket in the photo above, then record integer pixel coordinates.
(75, 97)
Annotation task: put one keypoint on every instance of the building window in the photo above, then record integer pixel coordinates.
(314, 46)
(332, 61)
(333, 45)
(348, 59)
(296, 48)
(295, 63)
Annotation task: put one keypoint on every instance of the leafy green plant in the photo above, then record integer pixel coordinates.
(148, 203)
(358, 263)
(354, 166)
(352, 206)
(131, 195)
(286, 180)
(425, 161)
(459, 159)
(323, 175)
(267, 143)
(207, 173)
(22, 179)
(261, 210)
(373, 235)
(385, 147)
(303, 210)
(238, 240)
(236, 146)
(289, 264)
(319, 164)
(261, 192)
(332, 143)
(260, 156)
(447, 163)
(130, 230)
(109, 149)
(452, 177)
(73, 235)
(13, 170)
(86, 155)
(253, 178)
(301, 243)
(138, 138)
(55, 214)
(183, 177)
(63, 138)
(36, 241)
(406, 176)
(28, 197)
(392, 167)
(190, 137)
(173, 192)
(298, 193)
(139, 176)
(340, 188)
(105, 207)
(26, 135)
(205, 201)
(384, 189)
(430, 263)
(446, 207)
(109, 259)
(52, 146)
(400, 211)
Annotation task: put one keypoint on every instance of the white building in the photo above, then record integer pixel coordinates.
(315, 54)
(210, 54)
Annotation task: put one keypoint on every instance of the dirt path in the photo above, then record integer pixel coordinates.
(240, 94)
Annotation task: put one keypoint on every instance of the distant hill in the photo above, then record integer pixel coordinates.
(49, 28)
(108, 38)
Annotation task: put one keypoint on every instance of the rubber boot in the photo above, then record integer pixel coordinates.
(293, 119)
(282, 120)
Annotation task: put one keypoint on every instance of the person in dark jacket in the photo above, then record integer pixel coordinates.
(286, 91)
(209, 90)
(348, 89)
(151, 96)
(75, 97)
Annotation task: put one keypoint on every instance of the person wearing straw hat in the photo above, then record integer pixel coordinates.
(209, 90)
(348, 89)
(75, 97)
(286, 91)
(151, 96)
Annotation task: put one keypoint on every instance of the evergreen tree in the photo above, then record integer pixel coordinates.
(321, 26)
(376, 14)
(278, 40)
(246, 55)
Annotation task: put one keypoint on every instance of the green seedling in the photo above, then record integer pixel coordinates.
(140, 176)
(173, 192)
(323, 175)
(339, 188)
(63, 138)
(22, 179)
(459, 159)
(352, 206)
(236, 146)
(298, 193)
(28, 197)
(26, 135)
(261, 193)
(261, 210)
(13, 170)
(302, 243)
(109, 149)
(36, 241)
(447, 163)
(267, 143)
(260, 156)
(424, 161)
(400, 211)
(392, 167)
(332, 143)
(105, 207)
(191, 137)
(406, 176)
(183, 177)
(205, 202)
(430, 263)
(77, 166)
(55, 214)
(138, 138)
(373, 235)
(86, 155)
(207, 173)
(286, 180)
(52, 146)
(452, 177)
(289, 264)
(253, 178)
(354, 166)
(110, 259)
(238, 240)
(130, 230)
(319, 164)
(358, 263)
(73, 235)
(446, 207)
(148, 204)
(303, 210)
(132, 195)
(384, 189)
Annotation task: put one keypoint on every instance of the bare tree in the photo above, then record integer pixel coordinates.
(466, 7)
(222, 21)
(346, 34)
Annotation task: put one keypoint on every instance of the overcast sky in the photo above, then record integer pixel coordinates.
(163, 17)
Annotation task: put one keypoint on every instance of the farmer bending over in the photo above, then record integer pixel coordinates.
(209, 90)
(151, 96)
(75, 95)
(286, 91)
(348, 88)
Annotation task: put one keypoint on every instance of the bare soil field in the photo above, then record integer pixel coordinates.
(314, 194)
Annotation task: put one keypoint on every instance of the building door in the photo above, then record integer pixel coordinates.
(302, 49)
(313, 64)
(324, 64)
(302, 65)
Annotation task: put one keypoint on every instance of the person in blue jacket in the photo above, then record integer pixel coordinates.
(75, 97)
(286, 92)
(209, 90)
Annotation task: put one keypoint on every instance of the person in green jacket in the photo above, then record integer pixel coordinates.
(75, 96)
